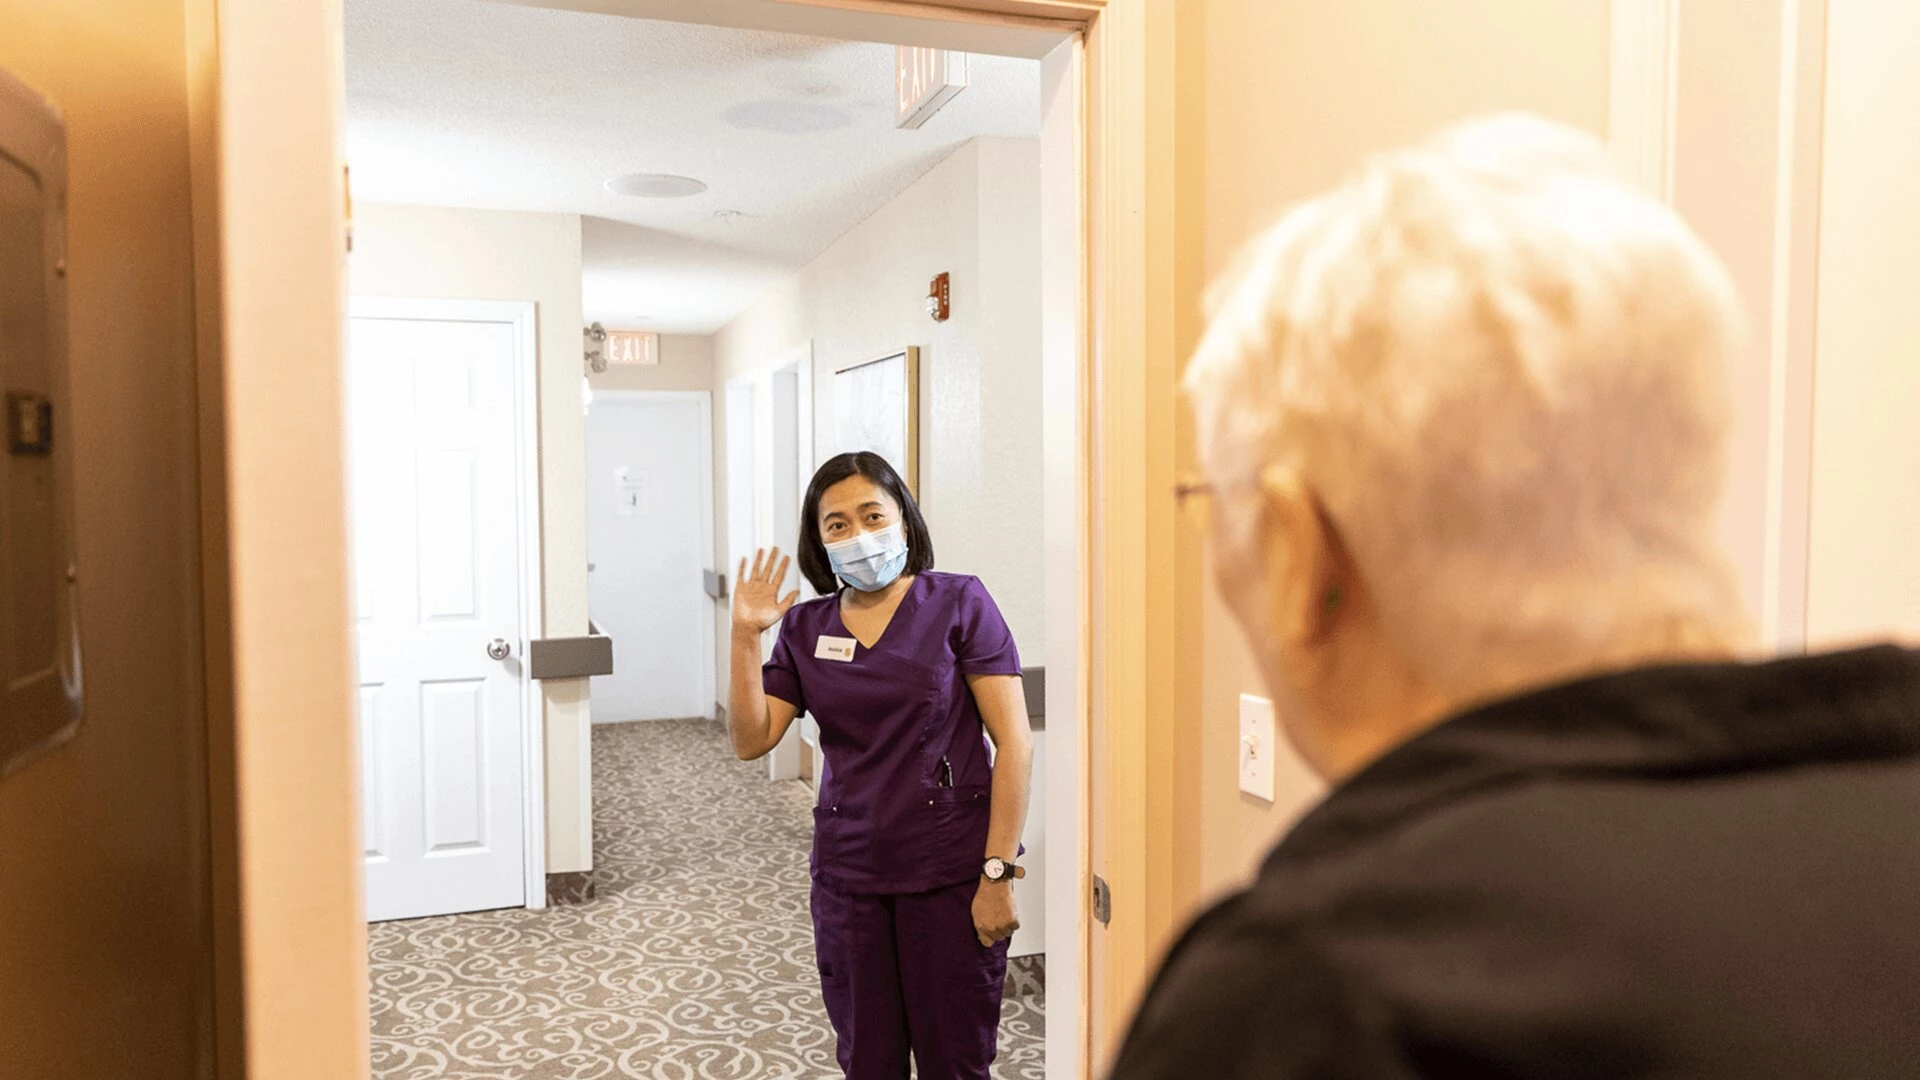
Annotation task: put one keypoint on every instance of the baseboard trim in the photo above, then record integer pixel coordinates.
(571, 888)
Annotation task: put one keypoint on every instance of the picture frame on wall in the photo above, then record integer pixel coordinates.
(876, 407)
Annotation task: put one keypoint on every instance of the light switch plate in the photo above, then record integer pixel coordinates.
(1256, 746)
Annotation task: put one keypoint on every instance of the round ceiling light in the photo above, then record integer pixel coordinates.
(655, 186)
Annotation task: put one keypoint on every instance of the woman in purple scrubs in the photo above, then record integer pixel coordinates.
(908, 673)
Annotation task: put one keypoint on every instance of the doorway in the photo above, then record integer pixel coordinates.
(649, 546)
(439, 411)
(1098, 346)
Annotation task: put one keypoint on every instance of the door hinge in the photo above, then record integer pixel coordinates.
(346, 188)
(1102, 900)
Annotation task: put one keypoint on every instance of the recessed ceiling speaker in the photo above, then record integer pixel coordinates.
(655, 186)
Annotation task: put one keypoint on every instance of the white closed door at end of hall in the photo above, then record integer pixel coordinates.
(649, 545)
(436, 555)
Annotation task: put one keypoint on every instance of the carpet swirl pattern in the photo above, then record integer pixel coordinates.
(695, 961)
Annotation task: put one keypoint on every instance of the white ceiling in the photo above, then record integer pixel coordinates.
(478, 104)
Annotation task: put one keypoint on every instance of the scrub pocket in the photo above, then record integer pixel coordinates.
(859, 981)
(962, 799)
(961, 816)
(952, 984)
(842, 839)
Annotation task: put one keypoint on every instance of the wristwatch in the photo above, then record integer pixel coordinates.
(999, 870)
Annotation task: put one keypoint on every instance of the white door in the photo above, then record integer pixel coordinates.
(649, 546)
(437, 569)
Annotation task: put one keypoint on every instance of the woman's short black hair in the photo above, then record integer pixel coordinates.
(814, 564)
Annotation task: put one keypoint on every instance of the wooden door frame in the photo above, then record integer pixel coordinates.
(265, 109)
(519, 314)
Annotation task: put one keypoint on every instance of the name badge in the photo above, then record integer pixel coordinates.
(835, 648)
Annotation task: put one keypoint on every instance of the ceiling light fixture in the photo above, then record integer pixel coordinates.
(655, 186)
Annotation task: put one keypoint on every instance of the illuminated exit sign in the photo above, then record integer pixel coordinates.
(633, 347)
(924, 80)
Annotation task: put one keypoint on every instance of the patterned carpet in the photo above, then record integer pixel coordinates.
(694, 963)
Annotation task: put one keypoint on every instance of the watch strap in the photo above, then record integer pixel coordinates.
(1014, 872)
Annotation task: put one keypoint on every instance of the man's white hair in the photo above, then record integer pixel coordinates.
(1501, 367)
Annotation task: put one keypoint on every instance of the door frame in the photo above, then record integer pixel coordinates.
(266, 83)
(783, 762)
(704, 398)
(748, 384)
(799, 360)
(519, 314)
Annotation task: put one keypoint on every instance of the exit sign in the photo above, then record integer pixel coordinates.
(924, 80)
(633, 347)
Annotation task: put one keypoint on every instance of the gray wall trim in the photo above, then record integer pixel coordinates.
(1035, 681)
(572, 658)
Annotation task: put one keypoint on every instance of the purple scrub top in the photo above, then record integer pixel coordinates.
(906, 789)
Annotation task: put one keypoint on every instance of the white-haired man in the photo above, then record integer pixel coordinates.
(1463, 426)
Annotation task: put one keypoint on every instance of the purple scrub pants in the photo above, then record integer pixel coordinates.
(904, 973)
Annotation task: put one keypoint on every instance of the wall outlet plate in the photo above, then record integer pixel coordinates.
(1257, 748)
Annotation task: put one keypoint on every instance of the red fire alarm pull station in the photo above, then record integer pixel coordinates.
(940, 298)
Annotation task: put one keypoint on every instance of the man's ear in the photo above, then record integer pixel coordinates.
(1305, 569)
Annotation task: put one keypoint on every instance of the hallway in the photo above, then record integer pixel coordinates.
(695, 960)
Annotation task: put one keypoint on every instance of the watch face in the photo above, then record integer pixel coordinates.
(996, 869)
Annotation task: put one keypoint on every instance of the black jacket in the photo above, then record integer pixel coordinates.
(1693, 871)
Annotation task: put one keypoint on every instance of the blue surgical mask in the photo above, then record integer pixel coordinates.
(870, 561)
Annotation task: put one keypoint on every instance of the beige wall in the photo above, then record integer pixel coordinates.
(498, 255)
(1864, 552)
(105, 947)
(1297, 94)
(686, 364)
(976, 216)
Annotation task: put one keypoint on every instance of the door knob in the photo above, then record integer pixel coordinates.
(499, 649)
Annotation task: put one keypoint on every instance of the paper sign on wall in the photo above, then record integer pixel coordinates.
(630, 493)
